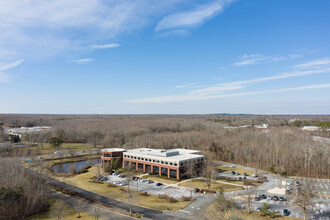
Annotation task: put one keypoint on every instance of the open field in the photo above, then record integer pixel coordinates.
(227, 169)
(201, 184)
(120, 193)
(45, 148)
(70, 214)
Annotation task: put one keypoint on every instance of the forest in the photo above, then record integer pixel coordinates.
(283, 148)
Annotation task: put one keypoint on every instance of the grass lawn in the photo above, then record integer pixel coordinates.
(158, 179)
(227, 169)
(47, 149)
(120, 193)
(211, 213)
(70, 214)
(201, 184)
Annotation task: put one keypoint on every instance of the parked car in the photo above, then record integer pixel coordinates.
(104, 178)
(257, 198)
(288, 182)
(245, 174)
(116, 182)
(254, 175)
(297, 183)
(263, 196)
(159, 184)
(288, 188)
(144, 180)
(232, 166)
(275, 198)
(240, 178)
(244, 177)
(286, 212)
(150, 181)
(258, 209)
(269, 197)
(232, 172)
(282, 198)
(122, 184)
(196, 190)
(237, 174)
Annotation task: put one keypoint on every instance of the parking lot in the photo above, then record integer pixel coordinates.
(172, 191)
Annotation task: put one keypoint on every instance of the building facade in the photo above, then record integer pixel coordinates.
(172, 163)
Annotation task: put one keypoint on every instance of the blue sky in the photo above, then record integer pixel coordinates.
(176, 57)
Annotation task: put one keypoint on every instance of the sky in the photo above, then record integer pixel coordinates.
(165, 57)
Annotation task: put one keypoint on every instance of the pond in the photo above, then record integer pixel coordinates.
(77, 166)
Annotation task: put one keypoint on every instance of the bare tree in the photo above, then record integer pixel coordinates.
(249, 192)
(208, 173)
(79, 206)
(98, 171)
(96, 213)
(95, 138)
(57, 210)
(303, 198)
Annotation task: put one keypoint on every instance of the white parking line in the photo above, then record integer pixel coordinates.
(184, 211)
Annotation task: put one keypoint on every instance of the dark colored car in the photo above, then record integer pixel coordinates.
(263, 196)
(159, 184)
(275, 198)
(286, 212)
(297, 183)
(282, 198)
(244, 177)
(232, 172)
(196, 190)
(245, 174)
(257, 198)
(240, 178)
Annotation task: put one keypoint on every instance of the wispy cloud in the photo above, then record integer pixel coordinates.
(188, 85)
(56, 28)
(314, 64)
(193, 17)
(85, 60)
(178, 98)
(249, 59)
(218, 90)
(105, 46)
(5, 77)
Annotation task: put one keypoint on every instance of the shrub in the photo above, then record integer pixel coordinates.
(144, 194)
(111, 185)
(186, 198)
(167, 198)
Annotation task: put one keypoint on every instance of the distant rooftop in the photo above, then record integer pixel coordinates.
(113, 150)
(162, 154)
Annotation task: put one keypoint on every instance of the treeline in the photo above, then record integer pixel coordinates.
(21, 193)
(288, 150)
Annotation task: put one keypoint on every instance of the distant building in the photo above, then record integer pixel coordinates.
(310, 128)
(171, 163)
(262, 126)
(245, 126)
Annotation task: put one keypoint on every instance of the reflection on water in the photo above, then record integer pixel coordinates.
(67, 167)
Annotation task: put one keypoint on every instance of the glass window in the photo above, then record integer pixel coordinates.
(175, 164)
(171, 163)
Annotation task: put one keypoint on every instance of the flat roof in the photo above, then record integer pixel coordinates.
(173, 155)
(113, 150)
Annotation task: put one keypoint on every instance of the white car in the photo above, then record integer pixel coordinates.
(288, 182)
(117, 182)
(288, 188)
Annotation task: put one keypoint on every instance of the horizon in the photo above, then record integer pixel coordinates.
(177, 57)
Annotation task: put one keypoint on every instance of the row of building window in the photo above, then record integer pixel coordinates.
(150, 160)
(164, 162)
